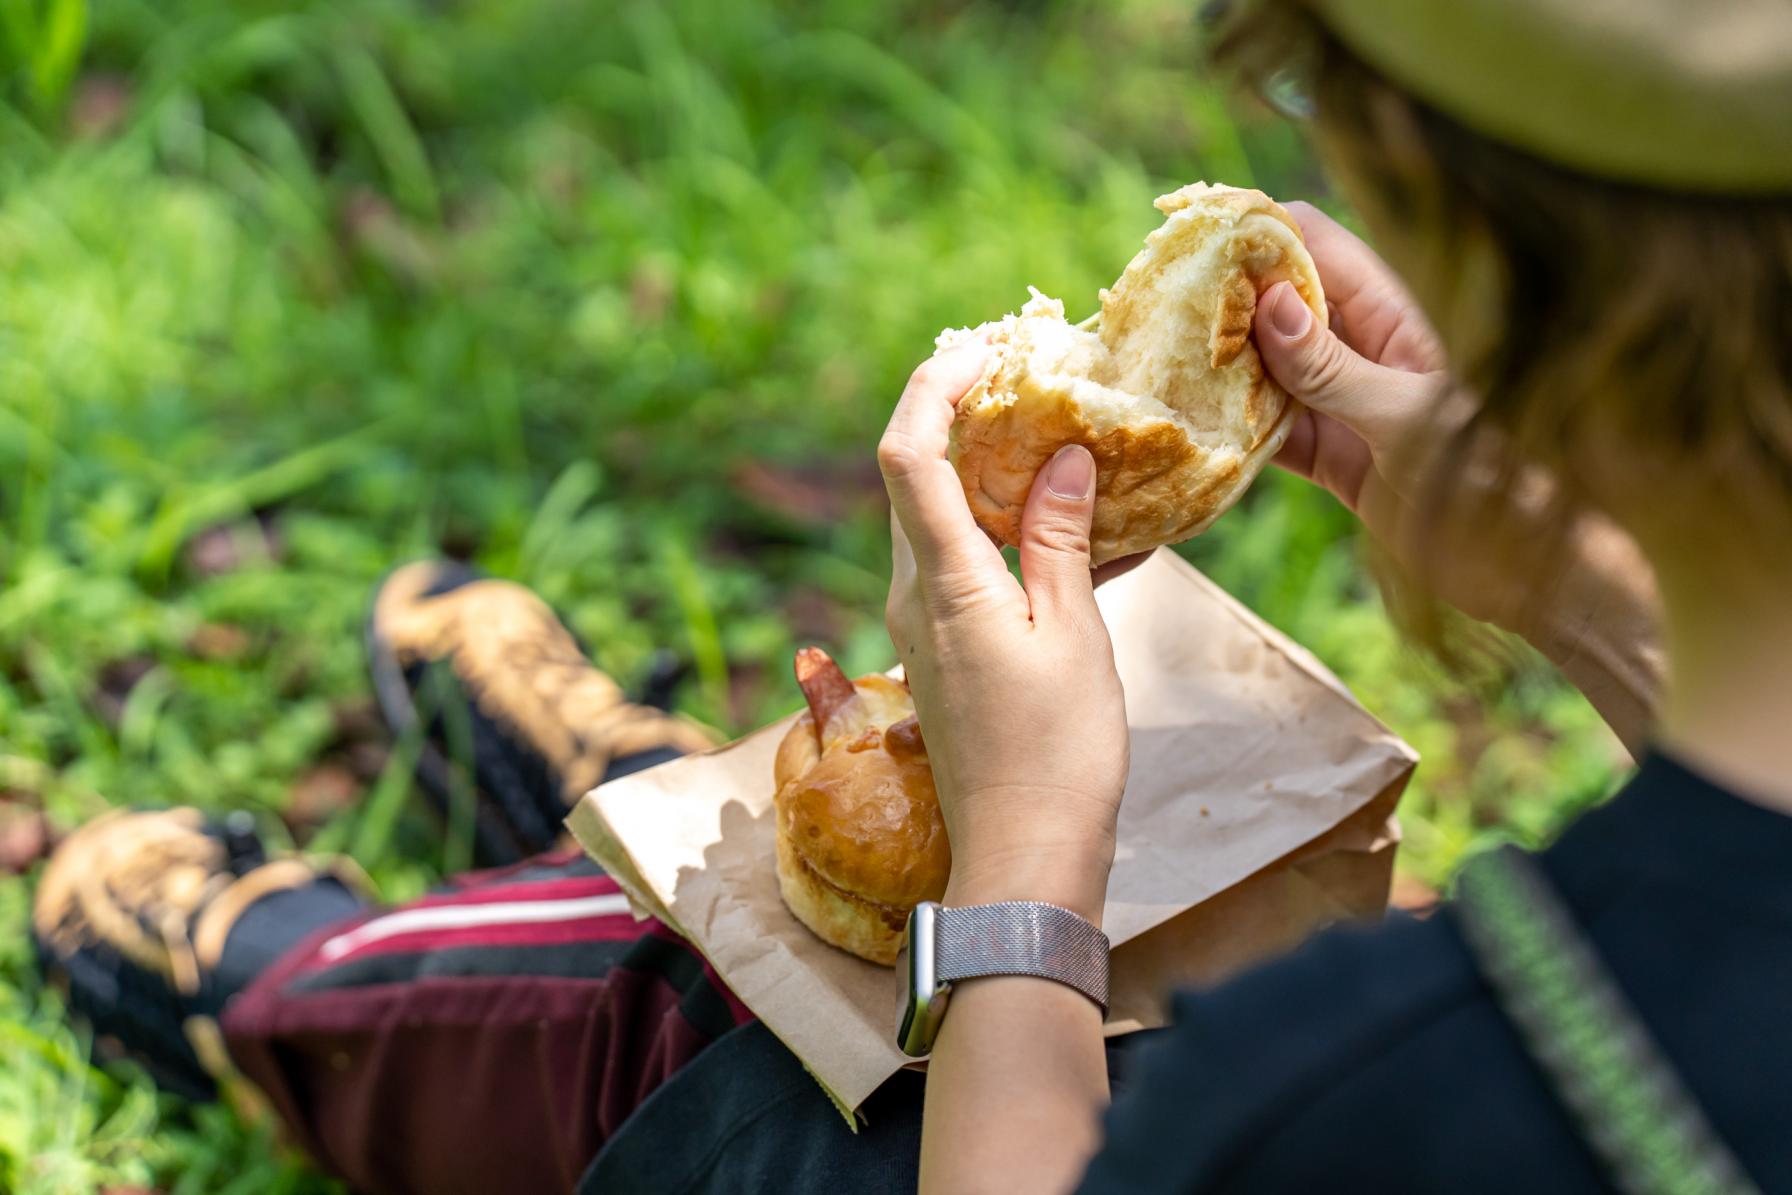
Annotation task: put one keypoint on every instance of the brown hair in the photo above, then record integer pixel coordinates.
(1637, 341)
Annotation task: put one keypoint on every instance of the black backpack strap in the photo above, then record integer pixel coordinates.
(1620, 1089)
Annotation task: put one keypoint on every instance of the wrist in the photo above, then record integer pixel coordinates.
(1075, 879)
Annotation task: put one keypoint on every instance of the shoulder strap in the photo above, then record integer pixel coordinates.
(1620, 1089)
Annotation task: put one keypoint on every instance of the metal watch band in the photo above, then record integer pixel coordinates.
(1022, 937)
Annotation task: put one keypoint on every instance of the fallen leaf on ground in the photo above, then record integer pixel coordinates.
(319, 794)
(812, 614)
(24, 833)
(99, 106)
(817, 495)
(219, 641)
(227, 547)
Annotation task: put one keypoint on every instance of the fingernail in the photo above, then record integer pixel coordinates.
(1071, 472)
(1288, 315)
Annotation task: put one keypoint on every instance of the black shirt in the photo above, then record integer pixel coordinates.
(1369, 1059)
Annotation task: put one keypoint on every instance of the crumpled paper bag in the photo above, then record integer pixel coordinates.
(1258, 808)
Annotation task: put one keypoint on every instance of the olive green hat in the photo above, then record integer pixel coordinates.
(1690, 95)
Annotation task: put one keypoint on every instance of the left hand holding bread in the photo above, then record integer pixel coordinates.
(1015, 687)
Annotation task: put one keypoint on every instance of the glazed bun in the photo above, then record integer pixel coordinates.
(859, 837)
(1163, 386)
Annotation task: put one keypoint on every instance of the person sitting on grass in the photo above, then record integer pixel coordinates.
(1592, 208)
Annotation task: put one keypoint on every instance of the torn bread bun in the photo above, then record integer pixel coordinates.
(860, 840)
(1163, 386)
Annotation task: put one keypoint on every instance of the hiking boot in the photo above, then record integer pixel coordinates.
(131, 921)
(503, 689)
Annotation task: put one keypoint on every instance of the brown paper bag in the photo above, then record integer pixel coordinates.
(1258, 808)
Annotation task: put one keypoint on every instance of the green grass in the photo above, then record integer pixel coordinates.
(614, 302)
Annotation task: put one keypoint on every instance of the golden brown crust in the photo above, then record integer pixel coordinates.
(797, 751)
(1164, 388)
(869, 822)
(859, 832)
(1232, 321)
(872, 931)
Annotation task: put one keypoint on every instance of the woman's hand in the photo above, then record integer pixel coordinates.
(1378, 406)
(1026, 730)
(1015, 688)
(1380, 409)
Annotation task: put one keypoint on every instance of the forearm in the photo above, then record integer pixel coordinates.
(1015, 1089)
(1601, 626)
(1569, 582)
(1018, 1077)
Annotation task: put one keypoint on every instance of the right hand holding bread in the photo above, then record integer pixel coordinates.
(1379, 409)
(1371, 383)
(1015, 687)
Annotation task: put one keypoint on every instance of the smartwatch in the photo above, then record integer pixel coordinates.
(1011, 937)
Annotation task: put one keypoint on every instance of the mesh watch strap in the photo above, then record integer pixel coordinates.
(1023, 937)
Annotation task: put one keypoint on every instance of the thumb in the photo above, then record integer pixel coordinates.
(1054, 536)
(1313, 365)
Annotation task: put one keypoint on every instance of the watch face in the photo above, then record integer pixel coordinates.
(923, 998)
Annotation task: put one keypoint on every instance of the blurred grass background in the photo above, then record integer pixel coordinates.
(611, 298)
